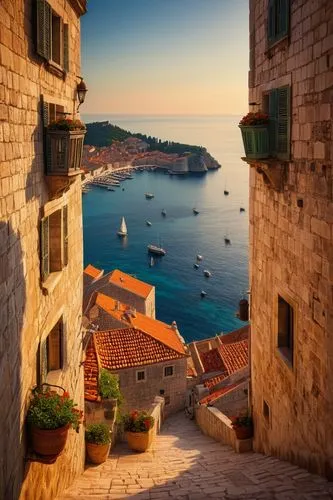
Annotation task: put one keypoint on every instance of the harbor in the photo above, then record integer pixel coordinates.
(111, 178)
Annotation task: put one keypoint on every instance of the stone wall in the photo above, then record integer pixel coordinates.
(143, 305)
(28, 310)
(291, 242)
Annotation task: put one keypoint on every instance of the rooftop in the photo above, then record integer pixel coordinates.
(93, 272)
(128, 282)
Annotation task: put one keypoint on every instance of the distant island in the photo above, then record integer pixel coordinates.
(109, 144)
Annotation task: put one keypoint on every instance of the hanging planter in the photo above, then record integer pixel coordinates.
(64, 147)
(50, 416)
(254, 128)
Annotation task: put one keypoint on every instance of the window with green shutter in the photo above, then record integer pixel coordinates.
(279, 110)
(54, 242)
(45, 250)
(278, 20)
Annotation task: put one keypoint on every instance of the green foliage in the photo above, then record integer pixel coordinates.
(67, 124)
(244, 420)
(98, 434)
(138, 421)
(49, 410)
(109, 386)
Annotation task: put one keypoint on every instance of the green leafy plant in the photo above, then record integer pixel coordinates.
(67, 124)
(258, 118)
(138, 421)
(98, 434)
(49, 410)
(242, 421)
(109, 386)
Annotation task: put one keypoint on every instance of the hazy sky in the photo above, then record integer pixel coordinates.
(165, 56)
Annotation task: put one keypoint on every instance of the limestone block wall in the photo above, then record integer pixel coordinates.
(139, 395)
(27, 311)
(141, 304)
(213, 423)
(291, 242)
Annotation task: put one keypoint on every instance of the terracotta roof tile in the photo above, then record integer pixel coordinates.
(216, 394)
(131, 284)
(91, 373)
(210, 382)
(235, 356)
(212, 361)
(157, 329)
(236, 336)
(93, 271)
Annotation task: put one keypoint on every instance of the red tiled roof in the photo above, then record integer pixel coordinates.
(131, 284)
(210, 382)
(216, 394)
(93, 271)
(212, 361)
(236, 336)
(91, 373)
(235, 356)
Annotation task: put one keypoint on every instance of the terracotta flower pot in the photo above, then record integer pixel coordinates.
(49, 441)
(244, 432)
(140, 441)
(97, 453)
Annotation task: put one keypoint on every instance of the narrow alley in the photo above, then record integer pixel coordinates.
(185, 464)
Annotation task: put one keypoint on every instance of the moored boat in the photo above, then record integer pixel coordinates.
(207, 273)
(203, 293)
(149, 196)
(148, 223)
(196, 266)
(199, 257)
(157, 250)
(163, 212)
(123, 228)
(195, 211)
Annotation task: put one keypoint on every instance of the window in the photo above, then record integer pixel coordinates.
(266, 410)
(54, 343)
(278, 20)
(54, 242)
(52, 36)
(285, 329)
(168, 371)
(277, 103)
(140, 376)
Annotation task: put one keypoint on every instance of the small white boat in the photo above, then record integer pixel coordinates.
(199, 257)
(148, 223)
(195, 211)
(152, 262)
(149, 196)
(156, 250)
(207, 273)
(163, 212)
(196, 266)
(203, 293)
(123, 228)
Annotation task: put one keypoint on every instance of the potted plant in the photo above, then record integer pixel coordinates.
(64, 146)
(243, 426)
(138, 426)
(98, 442)
(254, 128)
(109, 390)
(50, 416)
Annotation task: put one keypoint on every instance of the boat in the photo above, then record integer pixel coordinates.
(199, 257)
(157, 250)
(123, 228)
(163, 212)
(196, 266)
(226, 192)
(110, 189)
(242, 209)
(152, 262)
(149, 196)
(195, 211)
(207, 273)
(203, 293)
(227, 240)
(123, 189)
(148, 223)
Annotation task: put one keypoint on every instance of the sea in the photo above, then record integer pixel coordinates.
(183, 235)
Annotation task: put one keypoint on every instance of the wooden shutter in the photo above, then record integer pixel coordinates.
(44, 16)
(272, 112)
(44, 248)
(271, 21)
(65, 234)
(45, 113)
(65, 48)
(54, 348)
(283, 122)
(283, 18)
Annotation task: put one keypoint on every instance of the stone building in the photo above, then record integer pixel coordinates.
(291, 231)
(40, 237)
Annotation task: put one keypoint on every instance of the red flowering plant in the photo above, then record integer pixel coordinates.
(258, 118)
(50, 410)
(138, 421)
(244, 420)
(67, 124)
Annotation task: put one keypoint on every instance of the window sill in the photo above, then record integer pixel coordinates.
(54, 377)
(280, 44)
(56, 69)
(51, 282)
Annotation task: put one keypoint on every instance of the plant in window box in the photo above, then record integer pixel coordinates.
(139, 428)
(243, 426)
(50, 415)
(64, 146)
(98, 442)
(254, 128)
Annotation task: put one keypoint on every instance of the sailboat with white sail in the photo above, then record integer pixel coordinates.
(123, 228)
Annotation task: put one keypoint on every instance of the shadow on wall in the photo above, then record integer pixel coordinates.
(12, 309)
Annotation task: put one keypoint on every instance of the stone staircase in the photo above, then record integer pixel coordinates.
(185, 464)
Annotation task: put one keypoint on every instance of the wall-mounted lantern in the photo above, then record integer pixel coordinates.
(81, 91)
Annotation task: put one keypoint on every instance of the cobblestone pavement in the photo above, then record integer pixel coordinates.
(185, 464)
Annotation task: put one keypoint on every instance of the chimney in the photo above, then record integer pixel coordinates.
(117, 305)
(174, 325)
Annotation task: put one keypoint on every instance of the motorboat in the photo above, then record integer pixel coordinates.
(203, 293)
(148, 223)
(152, 262)
(123, 228)
(157, 250)
(195, 211)
(163, 212)
(199, 257)
(207, 273)
(226, 192)
(149, 196)
(196, 266)
(242, 209)
(227, 240)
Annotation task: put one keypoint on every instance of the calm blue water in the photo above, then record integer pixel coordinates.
(182, 234)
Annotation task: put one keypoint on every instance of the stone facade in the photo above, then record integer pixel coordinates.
(29, 306)
(145, 305)
(291, 241)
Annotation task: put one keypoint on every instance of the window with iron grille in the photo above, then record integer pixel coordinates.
(54, 242)
(277, 103)
(278, 20)
(52, 36)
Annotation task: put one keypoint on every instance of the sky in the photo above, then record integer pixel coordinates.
(165, 56)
